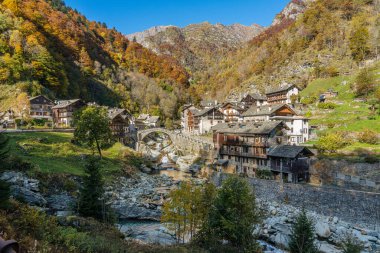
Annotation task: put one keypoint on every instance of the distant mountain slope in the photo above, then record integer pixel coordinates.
(46, 47)
(196, 45)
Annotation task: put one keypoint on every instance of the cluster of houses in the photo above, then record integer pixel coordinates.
(255, 133)
(60, 114)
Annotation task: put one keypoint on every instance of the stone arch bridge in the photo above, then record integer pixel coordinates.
(182, 142)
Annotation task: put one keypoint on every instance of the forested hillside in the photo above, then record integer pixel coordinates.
(48, 48)
(331, 38)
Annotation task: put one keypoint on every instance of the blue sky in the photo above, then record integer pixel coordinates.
(129, 16)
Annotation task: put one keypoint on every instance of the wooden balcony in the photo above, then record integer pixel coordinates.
(242, 154)
(245, 143)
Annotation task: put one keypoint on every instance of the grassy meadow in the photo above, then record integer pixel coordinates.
(54, 153)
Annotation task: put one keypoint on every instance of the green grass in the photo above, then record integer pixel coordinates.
(349, 116)
(54, 153)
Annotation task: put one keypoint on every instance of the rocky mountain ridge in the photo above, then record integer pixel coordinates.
(196, 45)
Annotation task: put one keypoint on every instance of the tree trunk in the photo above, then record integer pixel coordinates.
(98, 147)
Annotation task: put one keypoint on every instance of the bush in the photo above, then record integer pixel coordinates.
(351, 245)
(264, 174)
(17, 163)
(371, 159)
(309, 100)
(327, 105)
(368, 136)
(39, 122)
(332, 142)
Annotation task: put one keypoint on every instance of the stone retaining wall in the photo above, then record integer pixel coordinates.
(351, 206)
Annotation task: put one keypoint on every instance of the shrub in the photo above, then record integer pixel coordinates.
(264, 174)
(368, 136)
(17, 163)
(327, 105)
(351, 245)
(309, 100)
(371, 159)
(332, 142)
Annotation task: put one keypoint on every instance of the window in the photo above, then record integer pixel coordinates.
(225, 138)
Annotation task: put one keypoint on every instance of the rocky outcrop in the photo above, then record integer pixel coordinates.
(24, 188)
(291, 11)
(27, 190)
(140, 197)
(149, 233)
(329, 231)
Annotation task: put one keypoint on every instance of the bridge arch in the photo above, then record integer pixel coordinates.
(180, 141)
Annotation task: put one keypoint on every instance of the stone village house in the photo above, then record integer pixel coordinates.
(121, 124)
(298, 126)
(63, 112)
(41, 108)
(247, 147)
(282, 95)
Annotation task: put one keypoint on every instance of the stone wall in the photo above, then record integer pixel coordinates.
(353, 175)
(351, 206)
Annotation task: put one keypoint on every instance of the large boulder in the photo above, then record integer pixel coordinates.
(132, 210)
(28, 196)
(322, 229)
(281, 240)
(149, 233)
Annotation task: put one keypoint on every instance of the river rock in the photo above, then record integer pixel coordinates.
(149, 233)
(322, 230)
(282, 240)
(328, 248)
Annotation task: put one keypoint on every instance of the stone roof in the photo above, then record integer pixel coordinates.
(43, 97)
(280, 89)
(142, 116)
(65, 103)
(263, 110)
(288, 151)
(204, 111)
(256, 96)
(154, 119)
(247, 128)
(114, 112)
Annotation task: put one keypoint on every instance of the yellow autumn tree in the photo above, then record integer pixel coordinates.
(22, 105)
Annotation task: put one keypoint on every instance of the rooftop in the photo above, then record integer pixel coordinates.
(263, 110)
(285, 87)
(288, 151)
(247, 128)
(64, 103)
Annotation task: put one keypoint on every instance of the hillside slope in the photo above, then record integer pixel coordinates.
(46, 47)
(196, 46)
(328, 38)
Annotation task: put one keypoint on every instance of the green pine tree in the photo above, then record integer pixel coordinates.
(302, 238)
(232, 217)
(90, 202)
